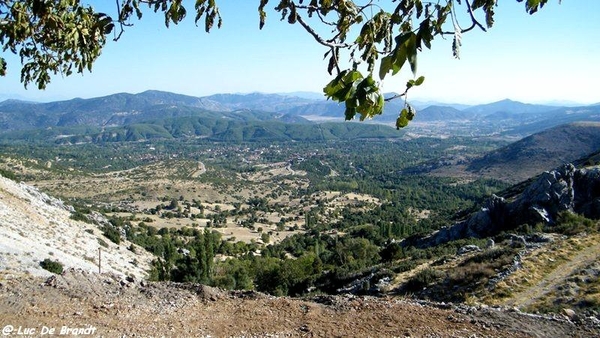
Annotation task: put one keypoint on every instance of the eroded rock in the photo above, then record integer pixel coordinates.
(563, 189)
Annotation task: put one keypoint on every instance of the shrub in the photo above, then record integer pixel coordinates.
(52, 266)
(8, 174)
(471, 273)
(112, 233)
(496, 257)
(405, 265)
(423, 278)
(569, 223)
(102, 242)
(79, 216)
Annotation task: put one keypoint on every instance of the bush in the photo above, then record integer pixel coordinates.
(112, 233)
(52, 266)
(102, 242)
(405, 265)
(8, 174)
(569, 224)
(423, 278)
(79, 216)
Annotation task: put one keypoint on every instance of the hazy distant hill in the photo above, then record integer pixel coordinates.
(328, 109)
(223, 128)
(259, 101)
(442, 113)
(155, 114)
(509, 106)
(558, 116)
(503, 118)
(539, 152)
(116, 109)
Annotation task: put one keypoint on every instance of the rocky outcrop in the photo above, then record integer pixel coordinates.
(566, 188)
(35, 193)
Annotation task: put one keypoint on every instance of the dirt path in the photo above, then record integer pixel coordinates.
(530, 295)
(201, 170)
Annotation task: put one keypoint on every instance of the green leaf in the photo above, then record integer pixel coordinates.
(532, 6)
(334, 85)
(411, 53)
(406, 115)
(419, 81)
(402, 121)
(349, 113)
(343, 87)
(352, 76)
(2, 67)
(385, 66)
(399, 62)
(262, 14)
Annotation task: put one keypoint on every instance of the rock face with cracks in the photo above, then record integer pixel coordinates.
(566, 188)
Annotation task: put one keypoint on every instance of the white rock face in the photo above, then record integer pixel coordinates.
(35, 226)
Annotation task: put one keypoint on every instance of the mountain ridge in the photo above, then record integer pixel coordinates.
(504, 118)
(538, 152)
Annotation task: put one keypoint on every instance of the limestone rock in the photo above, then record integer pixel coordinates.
(566, 188)
(468, 248)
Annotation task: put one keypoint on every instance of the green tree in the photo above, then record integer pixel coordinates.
(379, 37)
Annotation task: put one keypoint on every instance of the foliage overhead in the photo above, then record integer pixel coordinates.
(365, 39)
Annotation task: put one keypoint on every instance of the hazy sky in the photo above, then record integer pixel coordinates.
(548, 57)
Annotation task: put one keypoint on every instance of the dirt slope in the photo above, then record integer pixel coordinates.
(115, 308)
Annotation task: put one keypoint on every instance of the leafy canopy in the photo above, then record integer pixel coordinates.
(365, 39)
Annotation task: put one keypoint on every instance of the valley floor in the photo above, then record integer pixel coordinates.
(113, 307)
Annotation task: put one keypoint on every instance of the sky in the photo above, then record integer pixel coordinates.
(549, 57)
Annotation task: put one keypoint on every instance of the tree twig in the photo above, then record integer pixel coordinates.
(317, 37)
(395, 97)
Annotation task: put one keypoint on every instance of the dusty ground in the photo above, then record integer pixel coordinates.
(138, 309)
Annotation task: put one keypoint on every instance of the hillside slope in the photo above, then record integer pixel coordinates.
(539, 152)
(34, 226)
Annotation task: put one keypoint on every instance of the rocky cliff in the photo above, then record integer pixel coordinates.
(562, 189)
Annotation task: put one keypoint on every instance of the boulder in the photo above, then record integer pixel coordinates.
(468, 248)
(570, 314)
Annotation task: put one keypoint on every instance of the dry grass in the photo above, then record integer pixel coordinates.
(549, 273)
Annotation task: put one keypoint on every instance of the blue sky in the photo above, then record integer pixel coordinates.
(551, 56)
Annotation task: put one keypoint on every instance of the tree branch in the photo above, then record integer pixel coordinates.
(474, 22)
(473, 19)
(317, 37)
(395, 97)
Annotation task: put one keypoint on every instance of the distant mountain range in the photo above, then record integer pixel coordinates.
(156, 114)
(161, 115)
